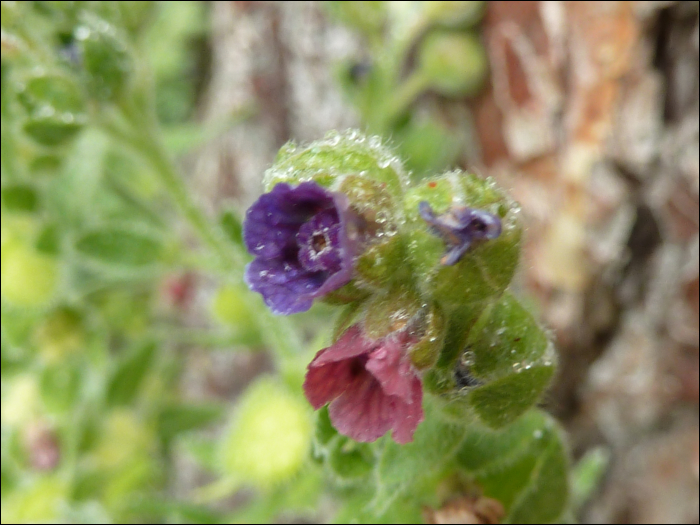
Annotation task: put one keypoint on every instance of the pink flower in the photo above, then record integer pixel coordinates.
(371, 386)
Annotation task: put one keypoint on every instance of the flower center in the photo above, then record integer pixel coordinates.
(319, 243)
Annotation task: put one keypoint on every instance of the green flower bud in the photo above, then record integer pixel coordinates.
(124, 437)
(429, 146)
(60, 335)
(230, 307)
(37, 502)
(55, 107)
(136, 15)
(368, 17)
(27, 278)
(329, 161)
(425, 352)
(486, 268)
(270, 437)
(21, 402)
(453, 64)
(105, 57)
(505, 365)
(455, 14)
(390, 312)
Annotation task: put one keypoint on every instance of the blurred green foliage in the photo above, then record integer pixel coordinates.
(420, 61)
(96, 282)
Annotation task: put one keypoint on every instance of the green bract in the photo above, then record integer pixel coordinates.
(55, 107)
(269, 438)
(104, 56)
(453, 64)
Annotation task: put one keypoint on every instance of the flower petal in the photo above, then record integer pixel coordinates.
(390, 364)
(459, 227)
(288, 279)
(407, 416)
(351, 344)
(285, 289)
(326, 382)
(363, 412)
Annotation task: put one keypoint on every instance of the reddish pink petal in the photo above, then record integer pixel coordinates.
(326, 382)
(351, 344)
(407, 416)
(363, 412)
(390, 365)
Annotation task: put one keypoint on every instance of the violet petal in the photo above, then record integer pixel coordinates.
(300, 240)
(285, 289)
(459, 227)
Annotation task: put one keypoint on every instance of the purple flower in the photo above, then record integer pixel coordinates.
(371, 386)
(459, 228)
(299, 237)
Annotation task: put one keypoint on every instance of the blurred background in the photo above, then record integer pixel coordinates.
(135, 374)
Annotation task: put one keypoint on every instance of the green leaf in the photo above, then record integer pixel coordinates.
(503, 400)
(128, 377)
(486, 450)
(232, 226)
(587, 475)
(524, 466)
(120, 247)
(204, 451)
(177, 511)
(403, 468)
(546, 495)
(49, 240)
(55, 107)
(105, 57)
(506, 338)
(509, 357)
(20, 198)
(349, 460)
(59, 386)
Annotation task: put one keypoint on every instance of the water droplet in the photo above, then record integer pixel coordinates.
(468, 358)
(82, 33)
(46, 111)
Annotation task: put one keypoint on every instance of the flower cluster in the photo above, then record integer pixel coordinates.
(317, 231)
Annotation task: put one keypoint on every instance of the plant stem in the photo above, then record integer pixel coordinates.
(277, 332)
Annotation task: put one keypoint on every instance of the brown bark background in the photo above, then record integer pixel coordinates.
(590, 120)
